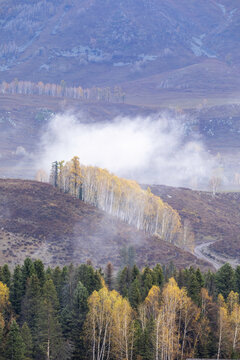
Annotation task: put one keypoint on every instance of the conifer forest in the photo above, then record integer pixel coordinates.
(149, 314)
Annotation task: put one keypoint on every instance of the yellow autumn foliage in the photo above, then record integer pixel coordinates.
(120, 197)
(109, 325)
(4, 296)
(174, 314)
(4, 301)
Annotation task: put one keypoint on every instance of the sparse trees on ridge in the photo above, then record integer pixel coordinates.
(62, 90)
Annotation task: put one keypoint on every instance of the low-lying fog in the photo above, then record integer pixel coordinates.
(149, 150)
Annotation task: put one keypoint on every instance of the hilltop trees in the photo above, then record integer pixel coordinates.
(54, 174)
(119, 197)
(76, 177)
(62, 90)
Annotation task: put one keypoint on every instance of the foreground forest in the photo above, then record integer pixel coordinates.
(86, 313)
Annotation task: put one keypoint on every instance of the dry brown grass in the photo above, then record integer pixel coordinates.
(39, 221)
(211, 218)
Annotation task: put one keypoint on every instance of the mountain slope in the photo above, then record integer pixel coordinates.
(212, 219)
(41, 222)
(79, 40)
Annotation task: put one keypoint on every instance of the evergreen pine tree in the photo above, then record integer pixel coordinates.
(124, 279)
(30, 307)
(143, 346)
(27, 340)
(147, 281)
(135, 293)
(109, 275)
(169, 271)
(210, 283)
(5, 275)
(181, 279)
(225, 280)
(14, 345)
(27, 271)
(134, 273)
(79, 312)
(200, 278)
(158, 277)
(48, 273)
(193, 287)
(89, 277)
(237, 279)
(57, 280)
(39, 270)
(69, 284)
(16, 290)
(50, 339)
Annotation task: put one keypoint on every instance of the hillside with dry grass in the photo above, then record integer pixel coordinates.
(212, 219)
(39, 221)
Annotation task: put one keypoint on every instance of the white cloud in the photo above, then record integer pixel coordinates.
(150, 149)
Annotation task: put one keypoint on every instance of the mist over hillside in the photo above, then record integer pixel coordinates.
(153, 149)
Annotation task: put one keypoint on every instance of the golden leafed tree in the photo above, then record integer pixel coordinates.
(109, 326)
(122, 198)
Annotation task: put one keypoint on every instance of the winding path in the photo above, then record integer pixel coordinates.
(202, 252)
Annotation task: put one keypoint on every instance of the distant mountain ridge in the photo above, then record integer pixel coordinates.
(77, 40)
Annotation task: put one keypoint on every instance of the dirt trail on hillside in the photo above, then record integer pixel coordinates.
(203, 252)
(200, 253)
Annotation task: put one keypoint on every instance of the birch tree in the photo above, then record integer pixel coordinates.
(109, 326)
(122, 198)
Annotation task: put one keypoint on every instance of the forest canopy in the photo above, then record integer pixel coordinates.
(149, 314)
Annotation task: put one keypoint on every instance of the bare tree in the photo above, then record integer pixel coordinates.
(215, 183)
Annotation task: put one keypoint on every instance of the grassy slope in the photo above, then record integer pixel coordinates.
(38, 220)
(211, 218)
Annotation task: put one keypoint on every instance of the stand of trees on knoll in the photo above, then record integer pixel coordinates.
(122, 198)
